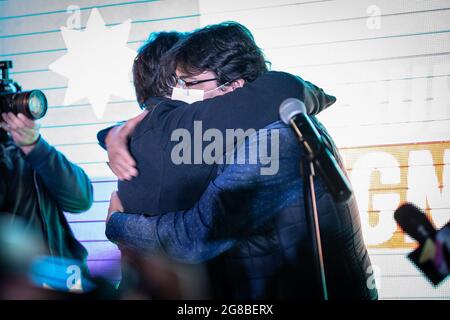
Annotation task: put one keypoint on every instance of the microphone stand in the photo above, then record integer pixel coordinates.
(308, 174)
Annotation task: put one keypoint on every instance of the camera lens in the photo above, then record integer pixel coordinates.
(37, 104)
(32, 104)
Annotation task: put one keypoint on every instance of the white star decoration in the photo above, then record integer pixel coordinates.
(97, 64)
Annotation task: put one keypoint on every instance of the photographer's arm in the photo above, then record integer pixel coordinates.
(66, 182)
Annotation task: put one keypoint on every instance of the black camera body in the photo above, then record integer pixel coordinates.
(33, 103)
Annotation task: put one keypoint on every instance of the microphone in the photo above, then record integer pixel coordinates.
(293, 112)
(414, 222)
(433, 254)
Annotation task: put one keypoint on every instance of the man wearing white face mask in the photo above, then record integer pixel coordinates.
(237, 61)
(162, 186)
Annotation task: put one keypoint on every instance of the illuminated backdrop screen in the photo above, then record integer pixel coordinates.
(388, 63)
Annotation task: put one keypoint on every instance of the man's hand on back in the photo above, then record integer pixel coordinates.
(121, 162)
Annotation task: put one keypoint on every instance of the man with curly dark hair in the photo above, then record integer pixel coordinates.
(250, 229)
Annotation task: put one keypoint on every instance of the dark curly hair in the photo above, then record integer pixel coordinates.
(228, 49)
(147, 65)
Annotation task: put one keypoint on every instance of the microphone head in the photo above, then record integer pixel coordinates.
(414, 222)
(290, 108)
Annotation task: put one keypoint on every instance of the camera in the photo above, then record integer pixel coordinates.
(33, 103)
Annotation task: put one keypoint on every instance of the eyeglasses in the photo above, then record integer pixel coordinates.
(187, 84)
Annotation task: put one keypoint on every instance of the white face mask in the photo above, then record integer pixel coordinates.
(187, 95)
(191, 95)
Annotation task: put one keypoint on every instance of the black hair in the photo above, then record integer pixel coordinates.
(228, 49)
(147, 76)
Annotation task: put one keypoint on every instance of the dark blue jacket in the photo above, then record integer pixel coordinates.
(40, 187)
(251, 230)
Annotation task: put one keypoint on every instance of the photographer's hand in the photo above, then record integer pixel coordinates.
(24, 131)
(120, 160)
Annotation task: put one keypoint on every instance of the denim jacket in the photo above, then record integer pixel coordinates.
(251, 230)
